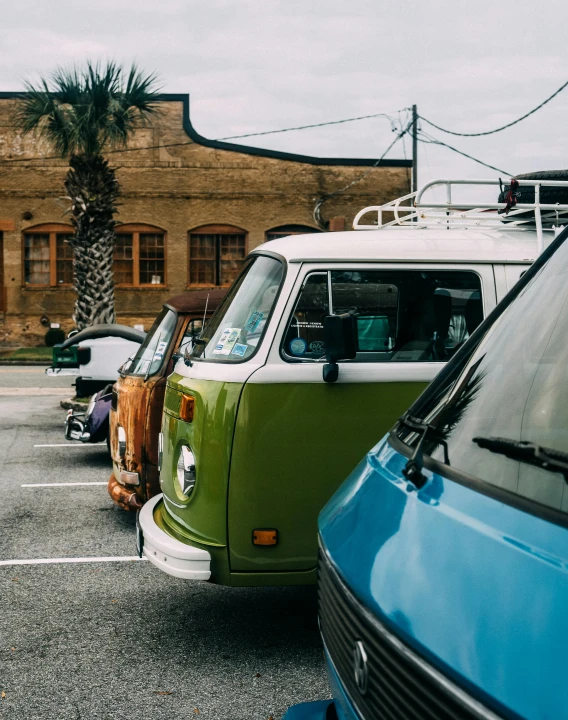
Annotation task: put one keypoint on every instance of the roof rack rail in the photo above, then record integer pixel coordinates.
(413, 211)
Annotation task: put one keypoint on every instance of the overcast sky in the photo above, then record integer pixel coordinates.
(254, 65)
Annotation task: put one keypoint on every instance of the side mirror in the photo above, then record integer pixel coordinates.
(340, 340)
(122, 370)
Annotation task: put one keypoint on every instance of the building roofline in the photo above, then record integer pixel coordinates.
(247, 149)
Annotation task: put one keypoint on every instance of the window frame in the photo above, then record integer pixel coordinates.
(53, 230)
(227, 299)
(216, 230)
(137, 229)
(415, 266)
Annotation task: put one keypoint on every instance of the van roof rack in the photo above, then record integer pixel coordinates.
(413, 211)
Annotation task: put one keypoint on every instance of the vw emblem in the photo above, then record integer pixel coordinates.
(360, 669)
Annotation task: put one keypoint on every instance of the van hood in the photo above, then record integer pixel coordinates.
(475, 586)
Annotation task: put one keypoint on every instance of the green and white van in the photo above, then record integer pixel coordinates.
(254, 439)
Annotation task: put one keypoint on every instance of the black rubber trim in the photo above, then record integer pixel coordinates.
(331, 712)
(247, 149)
(544, 512)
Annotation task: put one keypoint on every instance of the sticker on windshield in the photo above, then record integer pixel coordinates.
(298, 346)
(227, 341)
(160, 350)
(254, 321)
(317, 346)
(143, 366)
(301, 324)
(239, 350)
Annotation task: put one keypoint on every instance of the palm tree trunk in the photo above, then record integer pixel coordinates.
(93, 190)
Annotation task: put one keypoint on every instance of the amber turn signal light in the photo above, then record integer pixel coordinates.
(186, 408)
(265, 537)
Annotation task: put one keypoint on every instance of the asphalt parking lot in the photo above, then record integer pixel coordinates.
(119, 639)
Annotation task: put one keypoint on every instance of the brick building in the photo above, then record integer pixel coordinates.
(191, 209)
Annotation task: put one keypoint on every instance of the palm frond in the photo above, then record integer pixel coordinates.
(83, 111)
(141, 92)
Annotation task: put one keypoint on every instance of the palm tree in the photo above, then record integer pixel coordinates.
(83, 114)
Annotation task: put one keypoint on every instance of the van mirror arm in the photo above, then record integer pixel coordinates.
(340, 340)
(330, 372)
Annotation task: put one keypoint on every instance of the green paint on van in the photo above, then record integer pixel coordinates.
(267, 456)
(203, 517)
(294, 444)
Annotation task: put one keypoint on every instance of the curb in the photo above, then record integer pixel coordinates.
(41, 363)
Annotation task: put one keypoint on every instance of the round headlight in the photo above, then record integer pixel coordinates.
(185, 471)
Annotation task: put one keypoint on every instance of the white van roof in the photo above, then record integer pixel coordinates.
(404, 244)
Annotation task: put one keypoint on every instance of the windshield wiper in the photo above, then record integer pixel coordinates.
(527, 452)
(413, 468)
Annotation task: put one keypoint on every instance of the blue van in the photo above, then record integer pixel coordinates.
(443, 567)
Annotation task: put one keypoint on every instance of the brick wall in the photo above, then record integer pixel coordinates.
(174, 188)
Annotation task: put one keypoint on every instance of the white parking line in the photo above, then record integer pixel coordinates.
(71, 445)
(57, 561)
(61, 484)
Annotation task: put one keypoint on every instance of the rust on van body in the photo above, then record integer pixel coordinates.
(137, 407)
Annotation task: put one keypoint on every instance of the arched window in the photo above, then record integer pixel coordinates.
(216, 254)
(139, 255)
(47, 256)
(284, 230)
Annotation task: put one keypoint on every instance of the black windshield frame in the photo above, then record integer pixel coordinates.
(441, 385)
(167, 312)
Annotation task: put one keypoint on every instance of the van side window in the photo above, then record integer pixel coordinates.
(401, 315)
(304, 337)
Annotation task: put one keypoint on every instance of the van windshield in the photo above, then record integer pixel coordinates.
(513, 386)
(235, 331)
(150, 356)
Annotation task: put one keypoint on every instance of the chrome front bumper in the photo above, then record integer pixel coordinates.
(165, 552)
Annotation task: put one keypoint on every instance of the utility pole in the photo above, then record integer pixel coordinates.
(414, 149)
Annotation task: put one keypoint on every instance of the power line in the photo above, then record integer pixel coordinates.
(107, 152)
(323, 124)
(229, 137)
(433, 141)
(324, 198)
(503, 127)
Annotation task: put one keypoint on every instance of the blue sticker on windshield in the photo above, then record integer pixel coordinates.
(239, 350)
(254, 321)
(298, 346)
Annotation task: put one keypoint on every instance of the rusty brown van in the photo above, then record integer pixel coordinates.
(138, 396)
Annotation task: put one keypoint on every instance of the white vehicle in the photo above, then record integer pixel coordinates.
(321, 343)
(95, 355)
